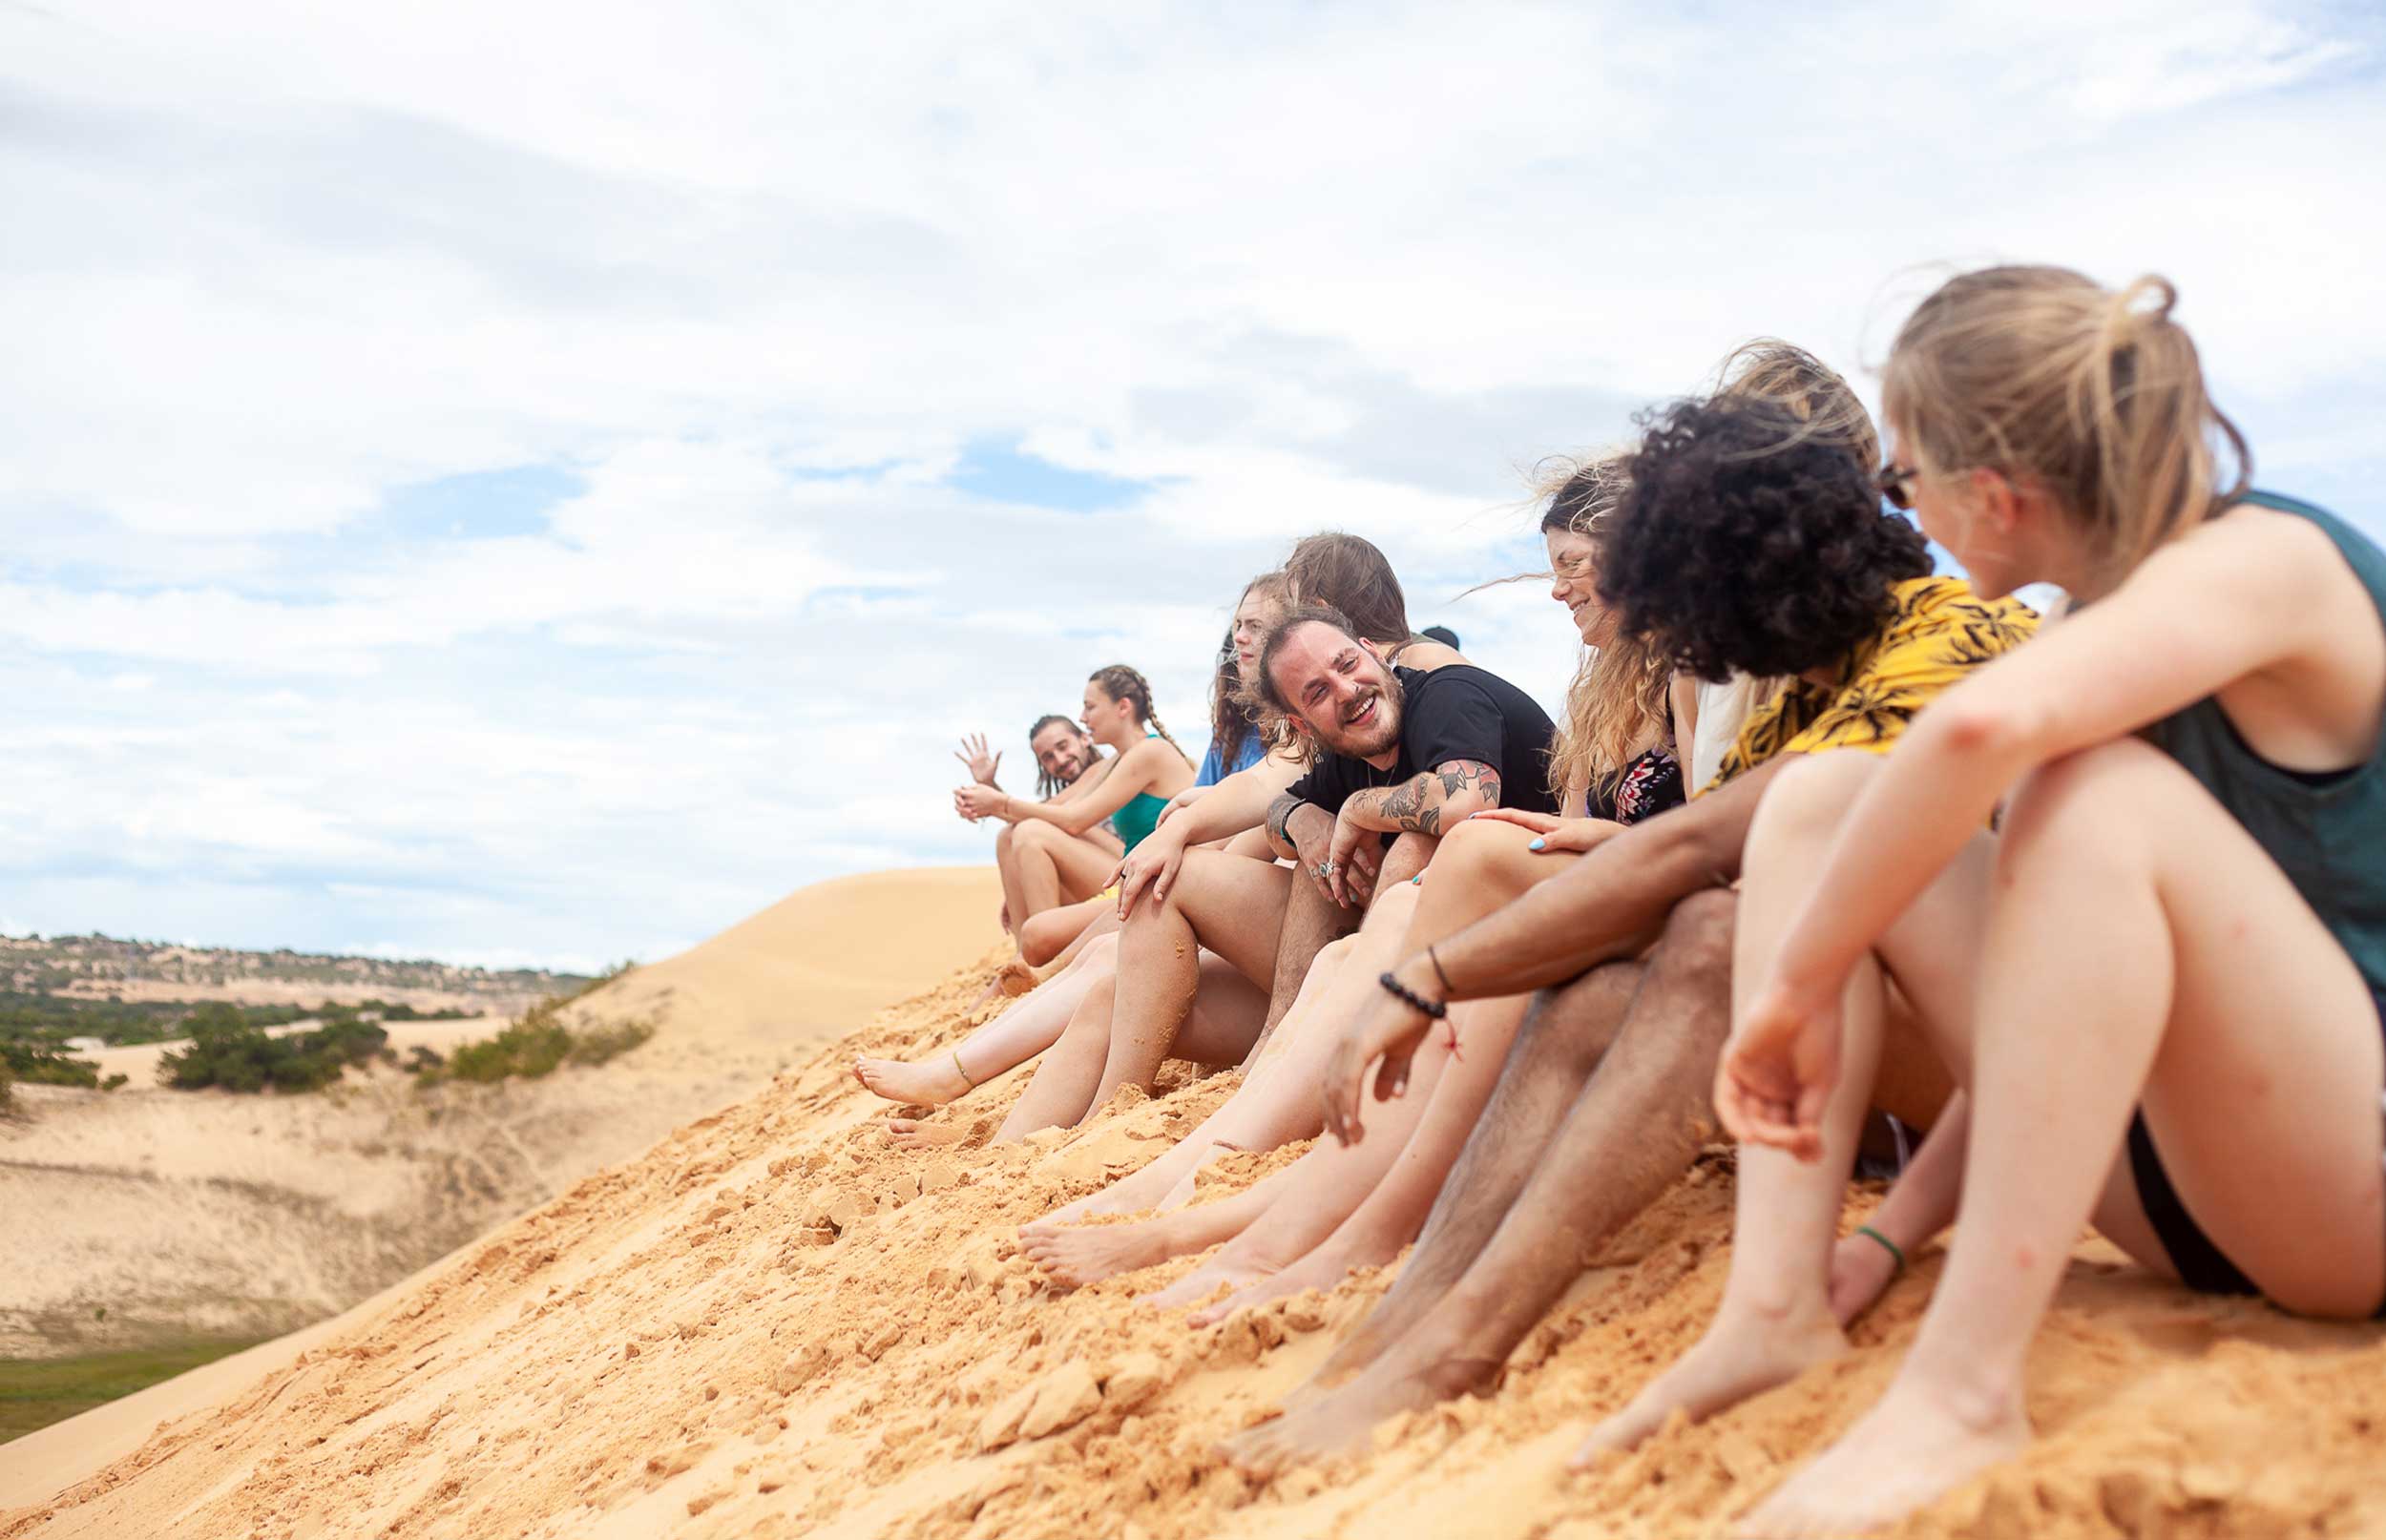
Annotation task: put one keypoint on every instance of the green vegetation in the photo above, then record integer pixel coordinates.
(536, 1044)
(228, 1051)
(37, 1064)
(37, 1392)
(8, 1092)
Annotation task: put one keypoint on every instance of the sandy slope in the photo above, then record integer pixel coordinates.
(147, 1214)
(772, 1324)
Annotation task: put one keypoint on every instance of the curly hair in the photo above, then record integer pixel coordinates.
(1748, 543)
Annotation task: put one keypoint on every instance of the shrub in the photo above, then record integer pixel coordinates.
(533, 1046)
(8, 1092)
(37, 1064)
(229, 1051)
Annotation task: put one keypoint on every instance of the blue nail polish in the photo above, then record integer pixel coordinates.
(1536, 845)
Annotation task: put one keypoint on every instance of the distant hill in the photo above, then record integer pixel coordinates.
(95, 969)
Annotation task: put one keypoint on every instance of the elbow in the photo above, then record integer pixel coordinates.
(1975, 730)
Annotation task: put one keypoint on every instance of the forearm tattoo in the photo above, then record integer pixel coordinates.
(1417, 805)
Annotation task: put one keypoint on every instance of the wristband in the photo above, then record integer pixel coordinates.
(1284, 824)
(1895, 1251)
(1415, 1001)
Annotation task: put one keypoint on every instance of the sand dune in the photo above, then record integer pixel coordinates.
(146, 1215)
(773, 1324)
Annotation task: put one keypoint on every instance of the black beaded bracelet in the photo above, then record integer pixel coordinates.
(1401, 991)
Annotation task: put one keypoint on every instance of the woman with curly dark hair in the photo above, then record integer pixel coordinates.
(1749, 540)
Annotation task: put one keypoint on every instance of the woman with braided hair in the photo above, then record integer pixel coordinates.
(1052, 848)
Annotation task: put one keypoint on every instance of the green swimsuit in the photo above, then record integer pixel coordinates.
(1134, 822)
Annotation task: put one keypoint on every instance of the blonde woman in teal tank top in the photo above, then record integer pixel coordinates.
(2156, 987)
(1052, 851)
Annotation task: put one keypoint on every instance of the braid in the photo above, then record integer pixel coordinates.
(1120, 682)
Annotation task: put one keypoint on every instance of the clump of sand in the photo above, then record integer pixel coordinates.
(774, 1325)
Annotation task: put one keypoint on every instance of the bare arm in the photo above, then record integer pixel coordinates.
(1234, 804)
(1429, 804)
(1611, 903)
(1129, 773)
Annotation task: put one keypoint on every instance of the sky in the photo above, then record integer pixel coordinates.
(534, 483)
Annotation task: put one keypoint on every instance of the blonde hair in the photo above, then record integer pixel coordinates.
(1619, 692)
(1768, 369)
(2099, 397)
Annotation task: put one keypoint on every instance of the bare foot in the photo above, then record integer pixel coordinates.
(1339, 1422)
(1087, 1254)
(1203, 1281)
(1321, 1269)
(931, 1083)
(1017, 978)
(1904, 1454)
(912, 1133)
(1741, 1354)
(1151, 1188)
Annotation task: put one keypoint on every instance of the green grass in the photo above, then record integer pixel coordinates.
(35, 1392)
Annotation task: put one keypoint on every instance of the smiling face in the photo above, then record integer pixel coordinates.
(1062, 752)
(1573, 582)
(1340, 689)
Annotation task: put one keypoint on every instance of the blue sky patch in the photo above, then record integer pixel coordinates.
(1001, 472)
(481, 505)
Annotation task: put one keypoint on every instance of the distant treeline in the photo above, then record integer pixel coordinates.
(52, 1019)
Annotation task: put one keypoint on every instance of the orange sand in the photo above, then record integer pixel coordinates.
(773, 1324)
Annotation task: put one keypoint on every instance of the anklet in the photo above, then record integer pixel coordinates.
(965, 1074)
(1895, 1250)
(1415, 1001)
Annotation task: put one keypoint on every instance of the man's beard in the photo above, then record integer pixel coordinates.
(1379, 735)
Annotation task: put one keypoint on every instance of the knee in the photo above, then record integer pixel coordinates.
(1005, 837)
(1473, 844)
(1814, 791)
(2073, 802)
(1032, 835)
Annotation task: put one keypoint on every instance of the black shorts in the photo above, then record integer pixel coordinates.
(2201, 1265)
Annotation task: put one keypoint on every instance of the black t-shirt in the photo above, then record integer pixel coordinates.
(1458, 712)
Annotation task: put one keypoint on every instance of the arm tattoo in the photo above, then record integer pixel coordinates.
(1416, 805)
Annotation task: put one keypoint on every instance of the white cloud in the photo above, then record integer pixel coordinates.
(758, 279)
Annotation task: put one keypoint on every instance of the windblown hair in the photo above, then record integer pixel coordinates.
(1234, 714)
(1745, 544)
(1046, 783)
(1120, 682)
(1766, 368)
(1617, 701)
(2042, 375)
(1345, 572)
(1305, 615)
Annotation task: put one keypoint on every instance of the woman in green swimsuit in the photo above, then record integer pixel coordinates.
(1056, 861)
(2157, 986)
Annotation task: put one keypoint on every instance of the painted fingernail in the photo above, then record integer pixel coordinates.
(1536, 845)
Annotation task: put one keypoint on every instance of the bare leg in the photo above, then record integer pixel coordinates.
(999, 1047)
(1395, 1209)
(1223, 903)
(1075, 1256)
(1563, 1034)
(1218, 1029)
(1311, 920)
(1166, 1182)
(1007, 864)
(1633, 1130)
(1055, 868)
(1050, 932)
(2194, 981)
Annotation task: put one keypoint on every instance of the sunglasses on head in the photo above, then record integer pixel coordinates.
(1890, 480)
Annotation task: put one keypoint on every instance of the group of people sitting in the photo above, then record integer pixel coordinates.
(1832, 850)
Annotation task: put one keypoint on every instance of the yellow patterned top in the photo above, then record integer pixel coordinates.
(1940, 632)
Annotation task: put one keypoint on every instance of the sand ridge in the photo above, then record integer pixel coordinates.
(773, 1324)
(151, 1215)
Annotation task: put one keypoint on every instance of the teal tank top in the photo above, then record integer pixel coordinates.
(1134, 822)
(2326, 831)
